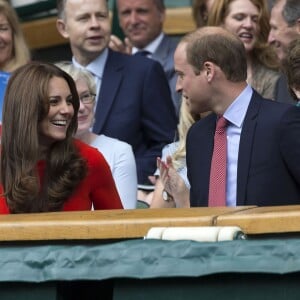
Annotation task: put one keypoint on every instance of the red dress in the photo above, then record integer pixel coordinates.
(97, 188)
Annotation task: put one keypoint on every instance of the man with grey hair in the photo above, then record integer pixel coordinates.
(142, 23)
(285, 28)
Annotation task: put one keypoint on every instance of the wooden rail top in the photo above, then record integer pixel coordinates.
(104, 224)
(124, 224)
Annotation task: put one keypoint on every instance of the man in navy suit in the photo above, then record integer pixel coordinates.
(263, 144)
(142, 23)
(134, 102)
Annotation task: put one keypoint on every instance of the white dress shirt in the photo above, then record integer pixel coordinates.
(96, 67)
(235, 114)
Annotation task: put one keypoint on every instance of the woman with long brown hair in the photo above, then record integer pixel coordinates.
(42, 167)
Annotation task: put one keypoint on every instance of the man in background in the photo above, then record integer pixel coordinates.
(142, 23)
(285, 28)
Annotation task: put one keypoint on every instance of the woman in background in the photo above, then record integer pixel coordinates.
(249, 20)
(118, 154)
(13, 51)
(42, 167)
(172, 188)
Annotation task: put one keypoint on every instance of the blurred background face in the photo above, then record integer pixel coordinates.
(6, 41)
(86, 111)
(243, 21)
(140, 20)
(87, 26)
(281, 34)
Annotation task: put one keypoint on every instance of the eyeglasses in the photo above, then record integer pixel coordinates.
(87, 98)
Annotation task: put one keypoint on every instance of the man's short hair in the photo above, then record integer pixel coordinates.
(220, 47)
(60, 5)
(291, 12)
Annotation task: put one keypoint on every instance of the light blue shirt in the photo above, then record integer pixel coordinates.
(235, 114)
(96, 67)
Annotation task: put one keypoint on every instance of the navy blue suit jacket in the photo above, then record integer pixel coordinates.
(269, 155)
(282, 93)
(135, 106)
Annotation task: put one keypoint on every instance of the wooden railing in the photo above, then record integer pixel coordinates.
(124, 224)
(42, 33)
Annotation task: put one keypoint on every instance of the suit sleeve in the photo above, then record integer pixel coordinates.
(159, 119)
(290, 141)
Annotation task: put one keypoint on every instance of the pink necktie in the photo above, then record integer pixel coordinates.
(217, 181)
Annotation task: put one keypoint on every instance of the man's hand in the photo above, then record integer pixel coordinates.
(117, 45)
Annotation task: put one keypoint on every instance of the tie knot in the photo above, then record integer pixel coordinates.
(221, 124)
(142, 53)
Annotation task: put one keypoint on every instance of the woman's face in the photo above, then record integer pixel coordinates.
(54, 126)
(6, 41)
(86, 109)
(243, 21)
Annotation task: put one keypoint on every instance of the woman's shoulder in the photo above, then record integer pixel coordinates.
(91, 154)
(104, 142)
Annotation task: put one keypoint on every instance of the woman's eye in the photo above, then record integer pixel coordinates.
(53, 101)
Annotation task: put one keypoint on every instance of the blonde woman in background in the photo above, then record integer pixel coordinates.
(118, 154)
(13, 51)
(175, 191)
(249, 20)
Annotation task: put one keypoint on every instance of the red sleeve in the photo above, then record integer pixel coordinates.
(3, 206)
(103, 194)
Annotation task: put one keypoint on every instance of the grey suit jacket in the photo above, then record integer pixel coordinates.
(164, 54)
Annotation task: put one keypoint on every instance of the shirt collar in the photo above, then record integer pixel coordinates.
(236, 112)
(152, 46)
(96, 67)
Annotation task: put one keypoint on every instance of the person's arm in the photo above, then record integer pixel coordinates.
(172, 184)
(157, 199)
(124, 174)
(290, 141)
(158, 118)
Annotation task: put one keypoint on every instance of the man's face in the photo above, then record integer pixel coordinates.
(194, 88)
(86, 24)
(140, 20)
(281, 35)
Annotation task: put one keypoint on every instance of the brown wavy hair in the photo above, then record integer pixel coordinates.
(21, 53)
(262, 51)
(26, 103)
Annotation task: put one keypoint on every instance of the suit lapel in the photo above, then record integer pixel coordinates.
(161, 53)
(111, 80)
(245, 148)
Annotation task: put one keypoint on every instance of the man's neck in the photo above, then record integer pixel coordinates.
(85, 60)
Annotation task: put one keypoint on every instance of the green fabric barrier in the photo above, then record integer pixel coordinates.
(145, 259)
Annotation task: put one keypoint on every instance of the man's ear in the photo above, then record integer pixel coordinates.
(61, 27)
(162, 16)
(209, 70)
(298, 26)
